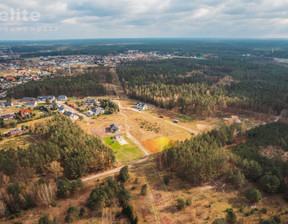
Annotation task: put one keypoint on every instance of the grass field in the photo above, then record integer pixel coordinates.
(158, 144)
(124, 153)
(19, 141)
(186, 117)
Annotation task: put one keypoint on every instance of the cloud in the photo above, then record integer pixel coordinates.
(154, 18)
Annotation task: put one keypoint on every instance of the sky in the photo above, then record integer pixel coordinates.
(81, 19)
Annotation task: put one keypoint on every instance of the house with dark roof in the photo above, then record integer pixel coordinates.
(6, 117)
(27, 99)
(44, 98)
(114, 128)
(141, 106)
(15, 132)
(8, 104)
(31, 104)
(62, 98)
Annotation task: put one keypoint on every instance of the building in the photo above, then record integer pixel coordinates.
(44, 98)
(2, 105)
(24, 113)
(15, 132)
(61, 109)
(141, 106)
(117, 136)
(114, 128)
(27, 99)
(72, 115)
(31, 104)
(8, 104)
(62, 98)
(98, 111)
(6, 117)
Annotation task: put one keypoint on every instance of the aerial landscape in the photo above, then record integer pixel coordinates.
(106, 117)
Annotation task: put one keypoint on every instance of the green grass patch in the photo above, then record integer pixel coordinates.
(124, 153)
(186, 117)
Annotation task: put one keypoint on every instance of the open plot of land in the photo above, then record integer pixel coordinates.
(158, 144)
(124, 153)
(15, 142)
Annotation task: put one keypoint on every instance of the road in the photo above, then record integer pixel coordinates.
(116, 170)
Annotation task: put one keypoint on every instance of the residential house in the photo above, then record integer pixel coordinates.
(72, 115)
(44, 98)
(114, 128)
(98, 111)
(62, 98)
(6, 117)
(54, 106)
(24, 113)
(92, 102)
(61, 109)
(8, 104)
(31, 104)
(141, 106)
(27, 99)
(15, 132)
(117, 136)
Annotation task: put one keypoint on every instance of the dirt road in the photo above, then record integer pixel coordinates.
(116, 170)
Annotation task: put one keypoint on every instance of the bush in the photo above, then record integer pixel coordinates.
(237, 178)
(264, 210)
(72, 214)
(231, 217)
(180, 203)
(124, 174)
(46, 220)
(166, 180)
(144, 190)
(219, 221)
(269, 183)
(189, 202)
(63, 188)
(253, 195)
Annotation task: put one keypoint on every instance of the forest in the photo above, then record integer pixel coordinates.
(206, 86)
(87, 84)
(200, 159)
(58, 141)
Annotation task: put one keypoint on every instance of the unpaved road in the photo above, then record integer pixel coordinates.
(109, 172)
(129, 135)
(162, 119)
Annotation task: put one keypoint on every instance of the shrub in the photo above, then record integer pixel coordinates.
(124, 174)
(264, 210)
(72, 214)
(144, 190)
(180, 203)
(189, 202)
(63, 188)
(166, 179)
(253, 195)
(46, 220)
(231, 217)
(237, 178)
(269, 183)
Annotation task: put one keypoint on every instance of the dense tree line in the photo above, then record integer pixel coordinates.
(269, 173)
(62, 141)
(87, 84)
(105, 194)
(193, 85)
(199, 159)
